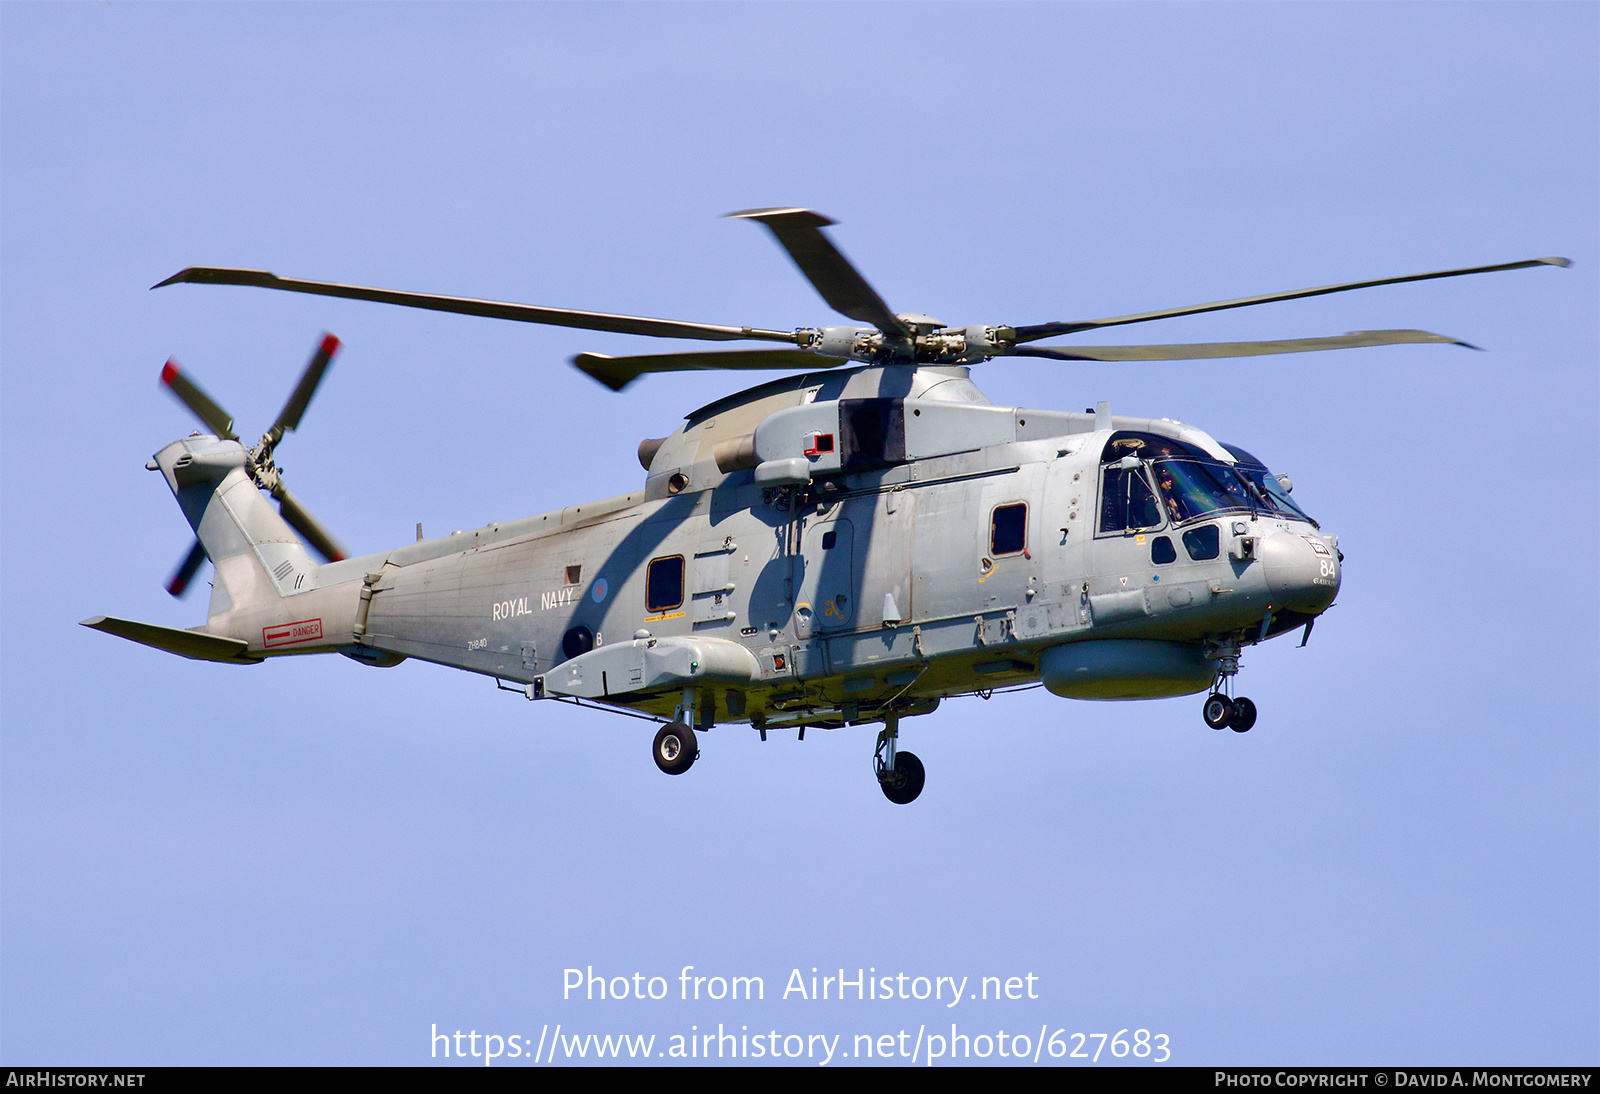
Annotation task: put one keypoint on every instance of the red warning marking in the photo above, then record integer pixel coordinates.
(306, 630)
(330, 344)
(820, 443)
(169, 371)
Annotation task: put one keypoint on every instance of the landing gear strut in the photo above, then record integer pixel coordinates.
(1222, 709)
(900, 774)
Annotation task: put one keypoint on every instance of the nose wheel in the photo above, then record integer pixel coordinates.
(1223, 711)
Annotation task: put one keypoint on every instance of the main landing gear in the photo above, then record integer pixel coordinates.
(1223, 710)
(676, 749)
(900, 774)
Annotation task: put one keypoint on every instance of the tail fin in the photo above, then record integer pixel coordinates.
(256, 554)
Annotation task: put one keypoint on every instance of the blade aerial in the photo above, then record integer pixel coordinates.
(186, 570)
(1199, 350)
(493, 309)
(300, 398)
(1046, 330)
(798, 231)
(301, 520)
(618, 372)
(216, 419)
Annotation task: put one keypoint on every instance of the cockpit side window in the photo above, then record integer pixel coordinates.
(1126, 501)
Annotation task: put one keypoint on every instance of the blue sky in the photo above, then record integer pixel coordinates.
(315, 862)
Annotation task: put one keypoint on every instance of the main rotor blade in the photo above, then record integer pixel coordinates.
(492, 309)
(216, 419)
(301, 520)
(618, 372)
(186, 570)
(798, 231)
(300, 398)
(1198, 350)
(1046, 330)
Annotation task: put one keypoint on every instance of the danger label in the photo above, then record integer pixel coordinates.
(306, 630)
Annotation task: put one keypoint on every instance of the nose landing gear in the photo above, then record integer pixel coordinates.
(1235, 714)
(900, 774)
(1221, 709)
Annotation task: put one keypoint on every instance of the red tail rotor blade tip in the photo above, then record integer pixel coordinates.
(169, 371)
(176, 587)
(337, 558)
(330, 344)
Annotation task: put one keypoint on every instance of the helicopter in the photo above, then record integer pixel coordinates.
(848, 545)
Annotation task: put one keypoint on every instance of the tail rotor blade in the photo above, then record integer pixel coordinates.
(301, 520)
(186, 570)
(189, 393)
(289, 416)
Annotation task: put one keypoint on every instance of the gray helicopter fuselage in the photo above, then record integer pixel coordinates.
(818, 549)
(847, 546)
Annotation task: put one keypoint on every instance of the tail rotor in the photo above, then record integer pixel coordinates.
(262, 468)
(186, 570)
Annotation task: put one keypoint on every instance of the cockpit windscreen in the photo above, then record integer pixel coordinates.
(1189, 484)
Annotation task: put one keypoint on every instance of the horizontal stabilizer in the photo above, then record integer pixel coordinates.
(196, 645)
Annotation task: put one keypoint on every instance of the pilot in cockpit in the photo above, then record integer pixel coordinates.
(1169, 496)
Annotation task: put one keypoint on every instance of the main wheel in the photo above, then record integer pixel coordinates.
(1244, 715)
(675, 748)
(1218, 711)
(905, 784)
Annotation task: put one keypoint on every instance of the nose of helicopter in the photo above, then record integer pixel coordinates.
(1301, 571)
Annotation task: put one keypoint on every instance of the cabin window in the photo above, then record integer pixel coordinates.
(1008, 529)
(1162, 551)
(663, 584)
(575, 574)
(1203, 543)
